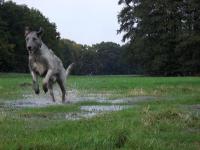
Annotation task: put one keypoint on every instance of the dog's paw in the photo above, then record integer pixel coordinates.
(45, 89)
(37, 91)
(36, 88)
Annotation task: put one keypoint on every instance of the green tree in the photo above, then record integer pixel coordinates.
(103, 58)
(108, 54)
(155, 30)
(6, 49)
(70, 51)
(13, 27)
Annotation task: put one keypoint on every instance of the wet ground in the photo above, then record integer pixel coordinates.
(92, 111)
(86, 111)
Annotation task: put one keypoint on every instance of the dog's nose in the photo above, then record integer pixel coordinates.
(29, 48)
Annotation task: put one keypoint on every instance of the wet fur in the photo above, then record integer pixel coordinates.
(43, 62)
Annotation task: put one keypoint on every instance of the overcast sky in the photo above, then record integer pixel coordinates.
(83, 21)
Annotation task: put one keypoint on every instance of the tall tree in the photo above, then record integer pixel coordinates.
(155, 29)
(12, 32)
(6, 49)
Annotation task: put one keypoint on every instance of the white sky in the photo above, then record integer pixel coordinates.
(83, 21)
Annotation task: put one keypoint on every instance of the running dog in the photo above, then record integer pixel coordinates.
(43, 62)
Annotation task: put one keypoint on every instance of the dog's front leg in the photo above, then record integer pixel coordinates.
(46, 80)
(35, 82)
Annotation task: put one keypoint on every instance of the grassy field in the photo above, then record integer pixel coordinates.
(170, 122)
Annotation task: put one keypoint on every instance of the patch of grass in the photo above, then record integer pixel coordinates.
(51, 112)
(52, 109)
(162, 124)
(12, 85)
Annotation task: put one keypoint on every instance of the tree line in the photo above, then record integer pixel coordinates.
(163, 35)
(102, 58)
(162, 38)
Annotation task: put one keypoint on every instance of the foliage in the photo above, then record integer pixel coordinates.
(14, 55)
(163, 39)
(163, 35)
(102, 58)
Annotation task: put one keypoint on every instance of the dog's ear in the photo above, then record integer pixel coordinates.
(27, 31)
(40, 32)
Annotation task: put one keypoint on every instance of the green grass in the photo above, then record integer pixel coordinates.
(166, 123)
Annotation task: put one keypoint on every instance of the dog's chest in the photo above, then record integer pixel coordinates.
(39, 68)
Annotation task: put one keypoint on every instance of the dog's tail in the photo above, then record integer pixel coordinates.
(69, 69)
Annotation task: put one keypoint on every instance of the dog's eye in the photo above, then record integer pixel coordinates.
(34, 39)
(27, 39)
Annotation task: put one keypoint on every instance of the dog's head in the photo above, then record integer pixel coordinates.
(33, 39)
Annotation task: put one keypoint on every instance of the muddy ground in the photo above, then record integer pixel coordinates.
(102, 103)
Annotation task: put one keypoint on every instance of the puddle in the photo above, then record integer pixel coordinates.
(102, 108)
(34, 101)
(92, 111)
(194, 107)
(80, 115)
(86, 112)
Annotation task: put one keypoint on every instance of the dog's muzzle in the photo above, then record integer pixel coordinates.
(29, 48)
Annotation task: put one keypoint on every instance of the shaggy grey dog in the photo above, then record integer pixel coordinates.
(43, 62)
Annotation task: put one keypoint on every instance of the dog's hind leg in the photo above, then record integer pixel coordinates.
(50, 87)
(62, 87)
